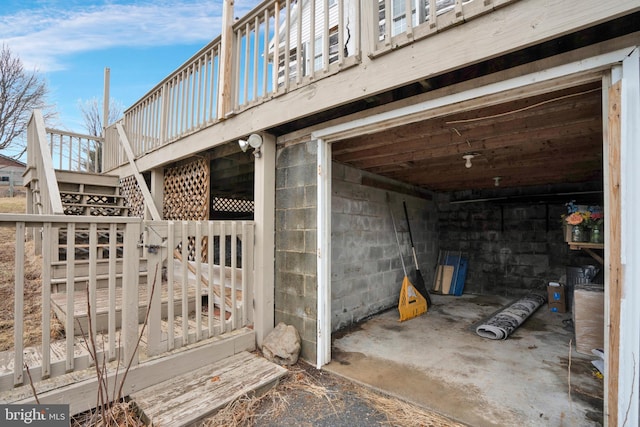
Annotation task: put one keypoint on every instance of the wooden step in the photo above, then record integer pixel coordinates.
(102, 282)
(59, 305)
(59, 268)
(185, 399)
(67, 179)
(81, 270)
(94, 210)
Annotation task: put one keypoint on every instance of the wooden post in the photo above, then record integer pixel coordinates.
(264, 272)
(155, 255)
(225, 97)
(18, 302)
(105, 102)
(130, 276)
(613, 241)
(367, 33)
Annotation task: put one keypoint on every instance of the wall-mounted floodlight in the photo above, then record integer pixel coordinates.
(254, 141)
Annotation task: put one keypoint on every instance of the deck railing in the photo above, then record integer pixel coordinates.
(280, 46)
(264, 60)
(427, 17)
(203, 269)
(46, 197)
(75, 152)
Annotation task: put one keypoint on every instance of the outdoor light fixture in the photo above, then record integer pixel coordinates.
(467, 157)
(496, 180)
(254, 141)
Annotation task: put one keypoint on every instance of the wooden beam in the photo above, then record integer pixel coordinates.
(225, 88)
(615, 251)
(450, 145)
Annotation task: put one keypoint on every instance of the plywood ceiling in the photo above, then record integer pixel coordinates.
(547, 139)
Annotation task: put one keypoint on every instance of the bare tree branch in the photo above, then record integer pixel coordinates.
(21, 92)
(92, 114)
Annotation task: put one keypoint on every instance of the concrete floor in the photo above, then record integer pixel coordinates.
(439, 362)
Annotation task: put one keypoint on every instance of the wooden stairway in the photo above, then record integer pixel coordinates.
(185, 399)
(91, 194)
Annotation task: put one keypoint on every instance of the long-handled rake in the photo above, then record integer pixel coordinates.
(411, 303)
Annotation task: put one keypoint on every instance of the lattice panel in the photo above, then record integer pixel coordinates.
(70, 197)
(133, 196)
(221, 204)
(186, 191)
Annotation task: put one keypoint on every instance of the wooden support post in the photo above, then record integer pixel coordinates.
(18, 302)
(264, 272)
(130, 277)
(225, 97)
(155, 253)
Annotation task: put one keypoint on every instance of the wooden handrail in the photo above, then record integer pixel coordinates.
(44, 165)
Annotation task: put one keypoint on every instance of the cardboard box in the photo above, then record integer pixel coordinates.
(556, 297)
(588, 317)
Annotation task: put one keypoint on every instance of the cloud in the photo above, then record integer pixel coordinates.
(45, 37)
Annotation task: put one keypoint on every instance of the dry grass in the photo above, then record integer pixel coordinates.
(32, 286)
(300, 381)
(120, 414)
(248, 410)
(400, 413)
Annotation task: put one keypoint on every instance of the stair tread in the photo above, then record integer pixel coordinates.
(188, 398)
(91, 205)
(59, 300)
(86, 193)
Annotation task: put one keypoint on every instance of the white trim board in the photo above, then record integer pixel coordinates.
(413, 113)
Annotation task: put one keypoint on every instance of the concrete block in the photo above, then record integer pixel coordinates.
(289, 198)
(290, 240)
(301, 175)
(291, 283)
(294, 219)
(310, 240)
(310, 196)
(281, 177)
(310, 218)
(302, 263)
(298, 154)
(352, 175)
(310, 285)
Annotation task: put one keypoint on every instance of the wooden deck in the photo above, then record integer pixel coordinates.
(79, 387)
(188, 398)
(82, 357)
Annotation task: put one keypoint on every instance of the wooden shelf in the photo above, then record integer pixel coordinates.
(588, 248)
(583, 245)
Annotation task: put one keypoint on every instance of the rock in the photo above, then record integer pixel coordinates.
(282, 345)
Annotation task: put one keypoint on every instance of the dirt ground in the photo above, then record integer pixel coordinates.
(309, 397)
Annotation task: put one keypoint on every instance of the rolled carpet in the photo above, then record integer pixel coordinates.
(502, 324)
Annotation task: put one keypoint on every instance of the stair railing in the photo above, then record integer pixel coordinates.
(146, 194)
(39, 158)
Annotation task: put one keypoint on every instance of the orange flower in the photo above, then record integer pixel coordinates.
(575, 218)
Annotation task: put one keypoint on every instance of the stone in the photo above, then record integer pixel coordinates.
(282, 345)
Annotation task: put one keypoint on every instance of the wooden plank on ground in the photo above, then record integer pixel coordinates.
(188, 398)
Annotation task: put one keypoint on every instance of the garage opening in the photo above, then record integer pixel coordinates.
(492, 184)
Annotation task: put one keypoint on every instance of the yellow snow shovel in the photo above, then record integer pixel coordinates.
(411, 303)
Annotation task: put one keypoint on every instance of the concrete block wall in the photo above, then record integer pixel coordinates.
(295, 242)
(512, 248)
(366, 272)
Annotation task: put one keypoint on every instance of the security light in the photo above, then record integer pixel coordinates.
(254, 141)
